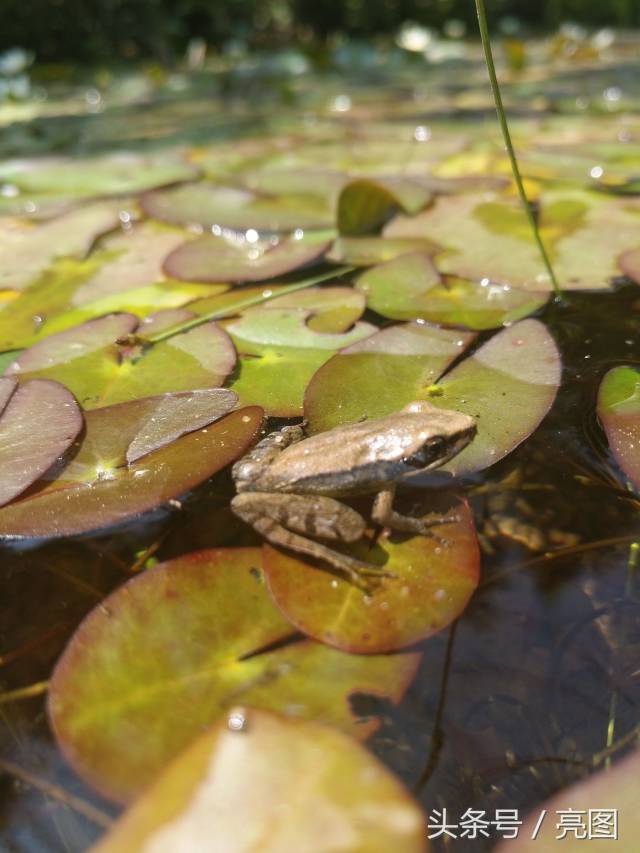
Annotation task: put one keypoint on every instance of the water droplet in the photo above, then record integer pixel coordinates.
(252, 236)
(597, 172)
(237, 721)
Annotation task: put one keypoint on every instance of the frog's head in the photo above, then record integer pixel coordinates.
(439, 435)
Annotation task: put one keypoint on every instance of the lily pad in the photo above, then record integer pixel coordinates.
(230, 785)
(434, 578)
(239, 209)
(120, 717)
(27, 250)
(508, 384)
(619, 413)
(96, 488)
(39, 421)
(279, 353)
(366, 251)
(410, 288)
(232, 257)
(365, 205)
(90, 363)
(115, 174)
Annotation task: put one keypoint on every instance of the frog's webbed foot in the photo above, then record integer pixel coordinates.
(281, 519)
(384, 514)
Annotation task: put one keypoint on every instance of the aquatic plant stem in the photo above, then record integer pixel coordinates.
(506, 135)
(229, 310)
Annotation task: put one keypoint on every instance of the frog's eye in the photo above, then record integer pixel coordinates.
(430, 451)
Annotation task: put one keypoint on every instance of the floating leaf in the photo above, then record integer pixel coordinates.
(629, 263)
(239, 209)
(434, 576)
(230, 785)
(619, 413)
(279, 353)
(605, 804)
(38, 423)
(583, 232)
(120, 717)
(97, 489)
(410, 288)
(115, 174)
(366, 251)
(508, 384)
(100, 373)
(27, 250)
(365, 205)
(231, 257)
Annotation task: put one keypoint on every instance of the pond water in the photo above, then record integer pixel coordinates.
(537, 678)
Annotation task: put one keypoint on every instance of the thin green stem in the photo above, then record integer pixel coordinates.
(229, 310)
(506, 135)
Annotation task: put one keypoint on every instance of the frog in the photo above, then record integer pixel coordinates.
(290, 485)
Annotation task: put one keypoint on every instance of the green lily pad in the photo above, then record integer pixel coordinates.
(490, 239)
(27, 250)
(278, 354)
(433, 581)
(120, 717)
(508, 384)
(410, 288)
(97, 488)
(618, 409)
(115, 174)
(39, 421)
(231, 783)
(365, 205)
(232, 257)
(366, 251)
(99, 372)
(239, 209)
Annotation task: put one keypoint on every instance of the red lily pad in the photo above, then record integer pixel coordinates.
(39, 421)
(100, 372)
(618, 409)
(97, 488)
(232, 257)
(120, 717)
(230, 786)
(27, 250)
(508, 385)
(629, 263)
(410, 288)
(239, 209)
(434, 578)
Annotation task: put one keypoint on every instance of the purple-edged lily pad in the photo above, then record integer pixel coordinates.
(100, 372)
(39, 421)
(508, 384)
(619, 413)
(97, 488)
(120, 717)
(233, 257)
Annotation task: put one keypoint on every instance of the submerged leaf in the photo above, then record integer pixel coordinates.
(233, 258)
(120, 717)
(39, 421)
(96, 488)
(508, 384)
(433, 579)
(228, 789)
(619, 413)
(90, 363)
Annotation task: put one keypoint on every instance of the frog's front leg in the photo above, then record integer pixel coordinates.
(263, 454)
(384, 514)
(282, 518)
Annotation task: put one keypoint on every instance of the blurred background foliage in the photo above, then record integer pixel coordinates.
(103, 30)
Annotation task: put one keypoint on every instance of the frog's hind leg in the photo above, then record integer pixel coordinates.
(277, 517)
(384, 514)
